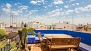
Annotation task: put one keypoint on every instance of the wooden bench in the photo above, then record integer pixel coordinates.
(64, 43)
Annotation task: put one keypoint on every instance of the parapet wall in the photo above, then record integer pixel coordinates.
(85, 37)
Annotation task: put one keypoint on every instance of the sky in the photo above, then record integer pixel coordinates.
(46, 11)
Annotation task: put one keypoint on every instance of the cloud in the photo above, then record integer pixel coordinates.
(72, 0)
(33, 2)
(45, 6)
(60, 9)
(58, 2)
(50, 5)
(37, 1)
(58, 12)
(77, 3)
(8, 5)
(83, 9)
(6, 10)
(73, 4)
(76, 10)
(42, 0)
(69, 11)
(30, 13)
(56, 6)
(55, 12)
(65, 6)
(17, 3)
(33, 11)
(15, 13)
(89, 6)
(86, 8)
(23, 7)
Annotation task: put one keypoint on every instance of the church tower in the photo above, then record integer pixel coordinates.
(22, 24)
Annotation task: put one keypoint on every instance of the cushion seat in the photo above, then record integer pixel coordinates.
(63, 46)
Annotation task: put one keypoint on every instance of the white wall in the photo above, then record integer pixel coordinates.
(30, 24)
(67, 26)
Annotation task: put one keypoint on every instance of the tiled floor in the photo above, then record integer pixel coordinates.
(35, 47)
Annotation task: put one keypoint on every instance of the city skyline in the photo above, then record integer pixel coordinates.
(46, 11)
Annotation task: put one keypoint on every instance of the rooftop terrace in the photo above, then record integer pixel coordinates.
(85, 44)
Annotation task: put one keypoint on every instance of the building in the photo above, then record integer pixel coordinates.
(36, 25)
(29, 24)
(80, 27)
(64, 26)
(2, 25)
(22, 25)
(88, 27)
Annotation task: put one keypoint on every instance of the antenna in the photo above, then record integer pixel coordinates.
(10, 18)
(0, 13)
(16, 21)
(73, 16)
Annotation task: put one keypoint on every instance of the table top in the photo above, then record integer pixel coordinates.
(50, 36)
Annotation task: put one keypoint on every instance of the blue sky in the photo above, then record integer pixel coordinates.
(46, 11)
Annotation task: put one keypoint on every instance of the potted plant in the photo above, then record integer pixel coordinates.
(31, 30)
(23, 37)
(2, 33)
(3, 41)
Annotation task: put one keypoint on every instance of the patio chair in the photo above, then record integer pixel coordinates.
(42, 41)
(64, 43)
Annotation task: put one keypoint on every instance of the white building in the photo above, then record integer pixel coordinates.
(36, 25)
(2, 25)
(64, 26)
(30, 24)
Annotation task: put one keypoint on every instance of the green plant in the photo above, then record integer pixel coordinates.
(2, 32)
(31, 30)
(24, 31)
(23, 37)
(3, 43)
(13, 45)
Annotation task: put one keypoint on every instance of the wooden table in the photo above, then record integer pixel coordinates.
(50, 36)
(60, 41)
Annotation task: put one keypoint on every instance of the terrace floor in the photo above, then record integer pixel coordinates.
(35, 47)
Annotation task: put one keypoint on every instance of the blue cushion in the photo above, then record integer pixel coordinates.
(36, 38)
